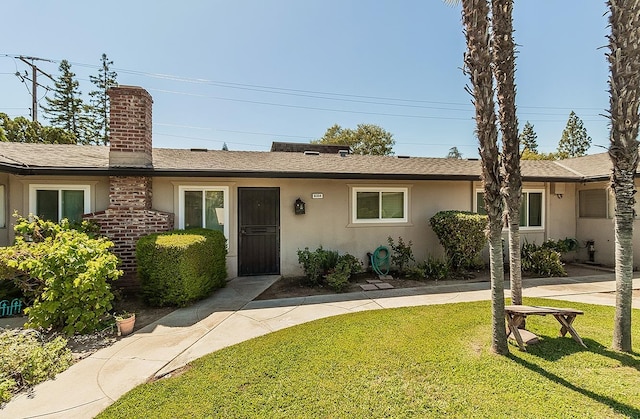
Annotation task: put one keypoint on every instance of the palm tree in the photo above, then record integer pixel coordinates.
(624, 89)
(475, 17)
(504, 70)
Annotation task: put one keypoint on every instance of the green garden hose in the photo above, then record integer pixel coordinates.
(380, 261)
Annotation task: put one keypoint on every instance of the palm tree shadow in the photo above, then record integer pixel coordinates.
(554, 349)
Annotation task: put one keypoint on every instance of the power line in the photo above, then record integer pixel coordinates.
(34, 82)
(308, 93)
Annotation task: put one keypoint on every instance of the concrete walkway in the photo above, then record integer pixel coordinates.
(231, 316)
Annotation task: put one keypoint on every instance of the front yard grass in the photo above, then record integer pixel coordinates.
(430, 361)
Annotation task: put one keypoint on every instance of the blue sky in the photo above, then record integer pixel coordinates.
(249, 72)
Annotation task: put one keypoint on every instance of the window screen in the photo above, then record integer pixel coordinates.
(593, 203)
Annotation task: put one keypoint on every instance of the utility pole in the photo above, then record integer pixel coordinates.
(34, 83)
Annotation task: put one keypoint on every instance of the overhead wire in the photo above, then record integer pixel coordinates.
(322, 95)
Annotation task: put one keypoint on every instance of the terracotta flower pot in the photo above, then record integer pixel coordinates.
(125, 325)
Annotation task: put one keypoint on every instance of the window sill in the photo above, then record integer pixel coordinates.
(382, 224)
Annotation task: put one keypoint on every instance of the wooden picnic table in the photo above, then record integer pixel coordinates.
(516, 314)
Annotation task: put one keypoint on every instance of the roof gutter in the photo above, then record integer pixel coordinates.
(23, 170)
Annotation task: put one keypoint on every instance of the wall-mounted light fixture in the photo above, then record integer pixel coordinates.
(299, 207)
(558, 189)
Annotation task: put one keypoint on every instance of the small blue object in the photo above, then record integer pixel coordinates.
(10, 309)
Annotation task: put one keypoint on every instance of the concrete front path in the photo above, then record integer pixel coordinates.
(231, 316)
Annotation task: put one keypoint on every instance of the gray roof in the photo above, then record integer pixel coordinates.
(66, 159)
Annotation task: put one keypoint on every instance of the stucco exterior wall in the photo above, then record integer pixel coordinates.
(17, 193)
(601, 230)
(561, 212)
(327, 220)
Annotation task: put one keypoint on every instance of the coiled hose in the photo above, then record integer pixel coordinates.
(380, 261)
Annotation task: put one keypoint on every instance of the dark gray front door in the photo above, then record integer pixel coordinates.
(259, 231)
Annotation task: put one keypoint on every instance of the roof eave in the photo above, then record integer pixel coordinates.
(149, 171)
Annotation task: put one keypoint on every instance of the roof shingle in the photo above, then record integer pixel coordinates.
(52, 158)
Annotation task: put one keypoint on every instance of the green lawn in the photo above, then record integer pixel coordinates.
(431, 361)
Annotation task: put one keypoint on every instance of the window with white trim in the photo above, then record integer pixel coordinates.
(204, 207)
(531, 207)
(55, 202)
(379, 205)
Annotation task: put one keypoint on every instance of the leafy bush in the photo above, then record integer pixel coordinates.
(436, 269)
(417, 272)
(318, 263)
(26, 360)
(461, 233)
(327, 265)
(338, 280)
(179, 267)
(561, 246)
(402, 254)
(541, 260)
(65, 273)
(35, 229)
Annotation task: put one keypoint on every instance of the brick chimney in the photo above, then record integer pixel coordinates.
(130, 214)
(130, 127)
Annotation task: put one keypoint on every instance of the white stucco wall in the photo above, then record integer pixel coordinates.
(601, 230)
(17, 193)
(327, 220)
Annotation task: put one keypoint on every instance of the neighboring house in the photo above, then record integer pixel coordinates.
(352, 203)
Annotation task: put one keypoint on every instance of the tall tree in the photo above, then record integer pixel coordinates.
(23, 130)
(66, 109)
(105, 79)
(478, 59)
(365, 139)
(624, 90)
(504, 68)
(574, 141)
(454, 153)
(528, 139)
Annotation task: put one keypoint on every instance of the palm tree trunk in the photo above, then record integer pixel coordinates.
(504, 70)
(515, 264)
(624, 90)
(475, 16)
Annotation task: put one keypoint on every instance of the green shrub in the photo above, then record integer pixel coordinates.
(402, 254)
(328, 266)
(462, 234)
(318, 263)
(346, 266)
(352, 264)
(541, 260)
(65, 273)
(561, 246)
(416, 272)
(338, 280)
(179, 267)
(436, 269)
(26, 360)
(35, 229)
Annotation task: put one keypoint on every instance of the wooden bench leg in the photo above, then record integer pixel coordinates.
(512, 327)
(565, 322)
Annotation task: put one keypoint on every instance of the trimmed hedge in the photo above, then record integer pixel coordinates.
(462, 234)
(179, 267)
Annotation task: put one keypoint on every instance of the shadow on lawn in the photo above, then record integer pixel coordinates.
(554, 349)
